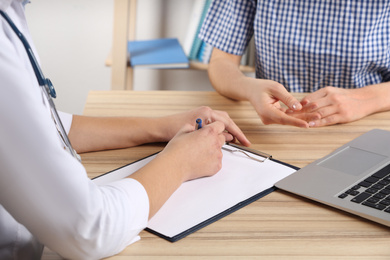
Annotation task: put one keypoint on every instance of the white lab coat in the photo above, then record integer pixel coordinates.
(46, 197)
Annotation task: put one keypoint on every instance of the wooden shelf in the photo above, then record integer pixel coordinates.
(202, 66)
(124, 31)
(193, 65)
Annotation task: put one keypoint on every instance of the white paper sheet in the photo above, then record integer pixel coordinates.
(199, 200)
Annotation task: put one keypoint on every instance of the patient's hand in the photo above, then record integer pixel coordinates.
(330, 105)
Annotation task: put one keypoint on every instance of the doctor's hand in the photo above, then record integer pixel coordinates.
(173, 123)
(330, 105)
(266, 96)
(190, 154)
(197, 153)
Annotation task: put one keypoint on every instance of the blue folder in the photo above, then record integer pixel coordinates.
(166, 53)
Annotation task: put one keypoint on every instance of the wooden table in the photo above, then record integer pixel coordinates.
(278, 226)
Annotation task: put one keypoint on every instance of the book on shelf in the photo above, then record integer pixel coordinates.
(165, 53)
(205, 53)
(192, 43)
(200, 51)
(193, 24)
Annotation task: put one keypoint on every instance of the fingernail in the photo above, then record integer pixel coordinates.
(312, 123)
(295, 106)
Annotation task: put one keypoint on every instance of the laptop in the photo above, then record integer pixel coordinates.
(354, 178)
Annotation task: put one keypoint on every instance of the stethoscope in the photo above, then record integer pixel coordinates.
(45, 83)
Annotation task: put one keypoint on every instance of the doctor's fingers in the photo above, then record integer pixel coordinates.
(230, 126)
(215, 131)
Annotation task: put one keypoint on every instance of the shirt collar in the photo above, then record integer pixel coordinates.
(4, 4)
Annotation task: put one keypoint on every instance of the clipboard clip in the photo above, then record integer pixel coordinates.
(246, 151)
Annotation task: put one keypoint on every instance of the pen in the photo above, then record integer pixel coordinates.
(198, 123)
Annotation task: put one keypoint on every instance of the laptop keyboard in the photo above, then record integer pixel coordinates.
(373, 192)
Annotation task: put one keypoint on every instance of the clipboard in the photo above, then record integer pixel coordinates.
(246, 176)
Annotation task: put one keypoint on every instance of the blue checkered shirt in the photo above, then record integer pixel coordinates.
(306, 44)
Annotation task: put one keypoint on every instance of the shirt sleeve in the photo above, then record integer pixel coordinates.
(47, 190)
(228, 25)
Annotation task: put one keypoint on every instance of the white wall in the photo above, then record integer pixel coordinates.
(73, 39)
